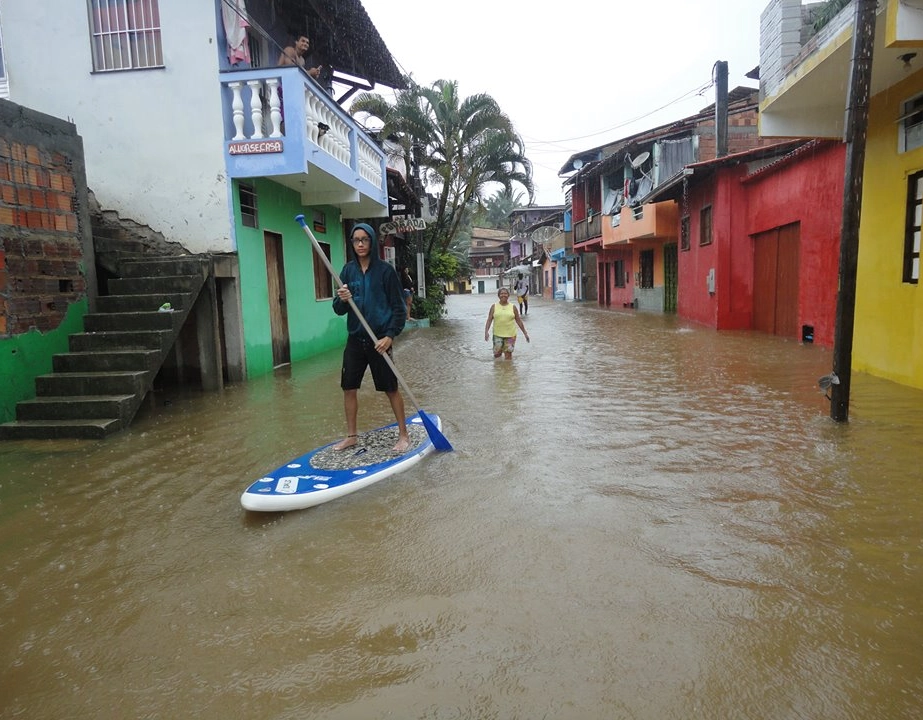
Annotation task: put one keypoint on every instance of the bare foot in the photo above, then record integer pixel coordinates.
(347, 442)
(403, 444)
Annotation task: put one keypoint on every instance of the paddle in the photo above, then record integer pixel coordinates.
(439, 440)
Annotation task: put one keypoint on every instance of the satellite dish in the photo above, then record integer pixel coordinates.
(640, 160)
(578, 163)
(544, 234)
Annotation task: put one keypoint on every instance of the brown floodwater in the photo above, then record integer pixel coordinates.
(641, 519)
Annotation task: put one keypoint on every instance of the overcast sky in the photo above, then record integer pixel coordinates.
(578, 74)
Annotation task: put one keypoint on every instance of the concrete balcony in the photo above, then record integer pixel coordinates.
(805, 83)
(282, 125)
(653, 221)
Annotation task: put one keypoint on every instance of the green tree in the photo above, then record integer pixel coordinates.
(462, 147)
(498, 208)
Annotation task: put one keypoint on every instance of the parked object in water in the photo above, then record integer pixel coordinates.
(325, 474)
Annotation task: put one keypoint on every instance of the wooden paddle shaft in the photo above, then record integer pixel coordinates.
(320, 253)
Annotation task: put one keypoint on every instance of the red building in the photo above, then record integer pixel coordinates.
(759, 239)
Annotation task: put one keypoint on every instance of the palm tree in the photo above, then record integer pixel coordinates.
(464, 147)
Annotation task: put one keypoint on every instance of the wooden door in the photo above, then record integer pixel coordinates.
(278, 310)
(776, 281)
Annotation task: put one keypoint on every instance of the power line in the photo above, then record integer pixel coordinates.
(699, 90)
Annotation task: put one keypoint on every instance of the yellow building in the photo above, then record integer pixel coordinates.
(804, 84)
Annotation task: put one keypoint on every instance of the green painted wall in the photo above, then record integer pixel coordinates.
(25, 357)
(313, 327)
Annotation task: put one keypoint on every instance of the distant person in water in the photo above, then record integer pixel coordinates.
(521, 289)
(505, 317)
(375, 288)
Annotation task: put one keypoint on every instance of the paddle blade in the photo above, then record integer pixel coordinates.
(439, 440)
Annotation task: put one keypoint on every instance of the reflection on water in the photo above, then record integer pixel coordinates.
(641, 519)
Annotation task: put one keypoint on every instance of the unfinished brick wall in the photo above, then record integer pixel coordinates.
(45, 244)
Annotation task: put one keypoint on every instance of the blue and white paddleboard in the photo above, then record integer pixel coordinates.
(325, 474)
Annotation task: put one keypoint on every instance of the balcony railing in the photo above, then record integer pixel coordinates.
(278, 122)
(588, 229)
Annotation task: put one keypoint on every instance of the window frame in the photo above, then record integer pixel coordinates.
(619, 271)
(323, 282)
(705, 226)
(135, 43)
(248, 209)
(911, 110)
(912, 229)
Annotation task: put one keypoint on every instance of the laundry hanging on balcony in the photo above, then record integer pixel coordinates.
(234, 16)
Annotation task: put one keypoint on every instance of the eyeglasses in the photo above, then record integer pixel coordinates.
(362, 241)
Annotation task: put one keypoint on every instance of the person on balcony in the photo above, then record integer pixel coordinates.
(375, 289)
(505, 317)
(521, 288)
(295, 55)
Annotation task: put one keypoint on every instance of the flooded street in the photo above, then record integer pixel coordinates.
(641, 519)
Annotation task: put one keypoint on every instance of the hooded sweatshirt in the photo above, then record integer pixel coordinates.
(377, 293)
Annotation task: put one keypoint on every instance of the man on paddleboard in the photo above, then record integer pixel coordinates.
(375, 288)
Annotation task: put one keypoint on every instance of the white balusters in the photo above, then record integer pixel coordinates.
(256, 108)
(237, 110)
(275, 107)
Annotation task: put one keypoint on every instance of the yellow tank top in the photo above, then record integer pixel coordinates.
(504, 321)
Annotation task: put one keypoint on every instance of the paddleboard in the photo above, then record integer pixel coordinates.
(325, 474)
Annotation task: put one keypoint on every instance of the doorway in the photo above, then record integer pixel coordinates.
(278, 309)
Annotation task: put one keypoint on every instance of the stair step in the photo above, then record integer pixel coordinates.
(50, 429)
(154, 285)
(142, 302)
(95, 322)
(165, 266)
(93, 383)
(105, 361)
(120, 339)
(76, 407)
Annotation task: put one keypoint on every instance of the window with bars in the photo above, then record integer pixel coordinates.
(911, 124)
(4, 83)
(125, 34)
(912, 233)
(246, 194)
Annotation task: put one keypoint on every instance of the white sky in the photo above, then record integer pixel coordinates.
(578, 74)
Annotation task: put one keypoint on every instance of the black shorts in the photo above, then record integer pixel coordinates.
(359, 354)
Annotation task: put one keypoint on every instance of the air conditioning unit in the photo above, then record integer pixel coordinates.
(559, 226)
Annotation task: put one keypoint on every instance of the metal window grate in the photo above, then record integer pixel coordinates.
(125, 34)
(248, 211)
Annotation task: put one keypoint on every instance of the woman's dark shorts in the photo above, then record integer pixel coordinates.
(359, 354)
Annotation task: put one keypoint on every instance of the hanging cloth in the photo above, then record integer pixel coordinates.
(234, 15)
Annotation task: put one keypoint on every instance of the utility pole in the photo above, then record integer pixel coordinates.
(721, 108)
(857, 116)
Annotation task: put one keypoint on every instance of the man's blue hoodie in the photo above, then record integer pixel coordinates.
(377, 293)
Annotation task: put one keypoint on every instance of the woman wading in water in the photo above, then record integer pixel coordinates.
(505, 317)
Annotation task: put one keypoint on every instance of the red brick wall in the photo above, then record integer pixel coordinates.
(42, 224)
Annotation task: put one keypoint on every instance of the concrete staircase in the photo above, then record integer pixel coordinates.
(97, 387)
